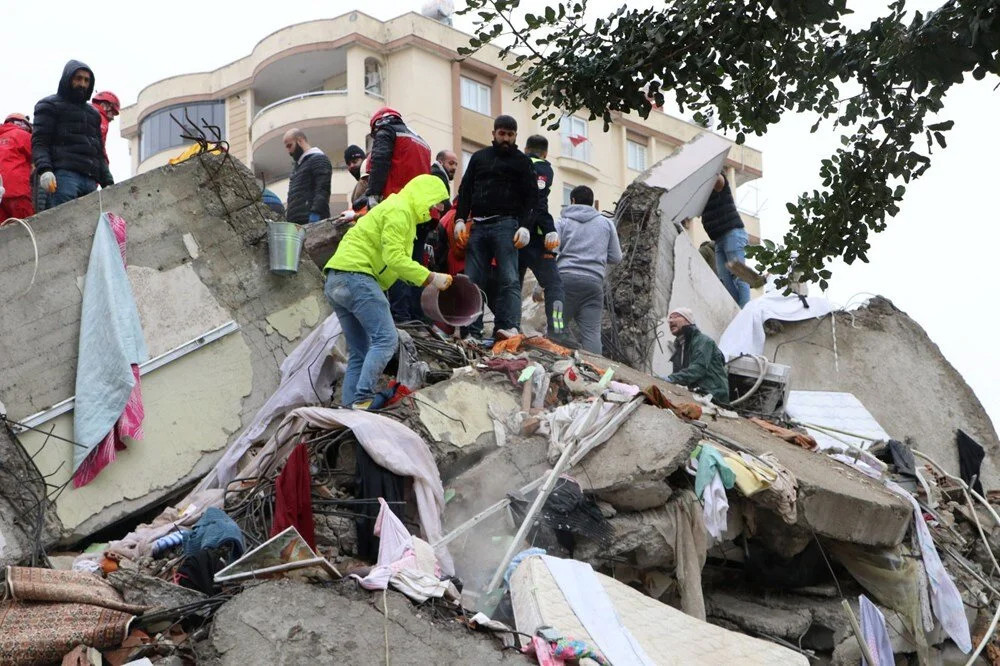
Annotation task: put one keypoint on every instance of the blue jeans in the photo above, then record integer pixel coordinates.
(732, 246)
(70, 185)
(490, 241)
(370, 334)
(543, 264)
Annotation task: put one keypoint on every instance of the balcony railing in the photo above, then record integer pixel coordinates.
(293, 98)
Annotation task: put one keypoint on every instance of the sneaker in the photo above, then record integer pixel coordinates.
(362, 405)
(745, 273)
(505, 333)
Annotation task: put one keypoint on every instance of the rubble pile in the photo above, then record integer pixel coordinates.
(514, 503)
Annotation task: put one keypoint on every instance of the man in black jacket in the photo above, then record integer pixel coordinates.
(497, 196)
(539, 255)
(66, 144)
(309, 184)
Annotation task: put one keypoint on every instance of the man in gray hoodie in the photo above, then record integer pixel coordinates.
(589, 242)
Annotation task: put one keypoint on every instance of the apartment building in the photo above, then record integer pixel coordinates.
(328, 76)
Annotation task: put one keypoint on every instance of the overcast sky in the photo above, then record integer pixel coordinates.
(935, 261)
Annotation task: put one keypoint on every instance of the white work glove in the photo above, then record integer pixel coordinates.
(460, 234)
(521, 237)
(440, 280)
(47, 181)
(347, 216)
(551, 240)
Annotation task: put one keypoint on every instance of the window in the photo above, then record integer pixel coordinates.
(158, 132)
(373, 77)
(476, 96)
(635, 154)
(575, 142)
(567, 189)
(466, 156)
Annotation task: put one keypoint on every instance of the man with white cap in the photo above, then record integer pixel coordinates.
(697, 361)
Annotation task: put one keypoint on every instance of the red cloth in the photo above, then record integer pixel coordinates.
(129, 424)
(456, 257)
(293, 497)
(105, 121)
(15, 160)
(19, 207)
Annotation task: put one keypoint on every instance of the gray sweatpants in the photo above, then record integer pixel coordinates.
(584, 306)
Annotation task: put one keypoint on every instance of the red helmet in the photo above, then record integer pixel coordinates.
(384, 112)
(19, 118)
(110, 98)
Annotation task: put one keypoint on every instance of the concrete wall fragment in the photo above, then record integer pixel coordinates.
(197, 256)
(889, 363)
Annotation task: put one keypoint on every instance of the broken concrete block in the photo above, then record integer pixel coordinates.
(639, 536)
(456, 415)
(648, 447)
(142, 590)
(342, 624)
(639, 496)
(322, 239)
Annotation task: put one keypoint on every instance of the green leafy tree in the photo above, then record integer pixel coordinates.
(747, 63)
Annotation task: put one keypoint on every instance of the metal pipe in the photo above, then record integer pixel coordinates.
(529, 518)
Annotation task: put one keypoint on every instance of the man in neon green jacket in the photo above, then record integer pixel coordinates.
(373, 254)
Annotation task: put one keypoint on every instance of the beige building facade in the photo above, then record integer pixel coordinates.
(328, 76)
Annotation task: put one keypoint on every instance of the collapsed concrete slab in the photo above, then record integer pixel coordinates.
(198, 262)
(833, 499)
(661, 269)
(339, 625)
(889, 363)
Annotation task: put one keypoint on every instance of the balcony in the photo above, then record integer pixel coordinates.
(320, 114)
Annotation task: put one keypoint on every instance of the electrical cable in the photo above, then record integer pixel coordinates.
(34, 245)
(761, 372)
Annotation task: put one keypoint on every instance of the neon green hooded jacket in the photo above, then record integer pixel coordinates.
(381, 243)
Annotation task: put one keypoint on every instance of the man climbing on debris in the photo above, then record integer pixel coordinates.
(66, 143)
(398, 155)
(590, 243)
(499, 188)
(373, 254)
(697, 361)
(15, 168)
(724, 226)
(539, 254)
(309, 184)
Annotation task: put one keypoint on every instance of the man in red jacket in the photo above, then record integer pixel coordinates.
(398, 155)
(15, 167)
(108, 106)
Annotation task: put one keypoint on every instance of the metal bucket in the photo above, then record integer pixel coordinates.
(459, 305)
(284, 242)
